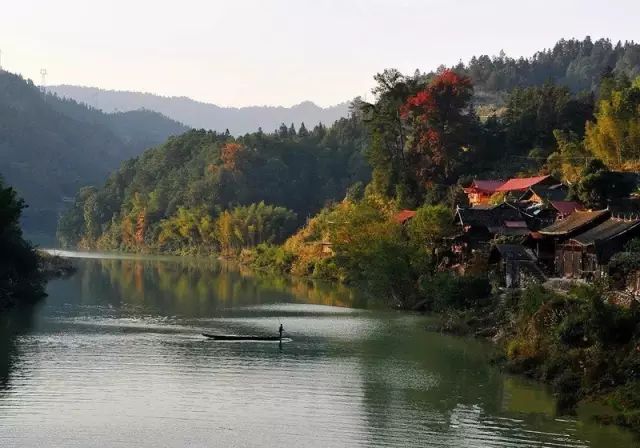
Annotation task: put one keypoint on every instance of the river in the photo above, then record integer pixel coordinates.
(115, 357)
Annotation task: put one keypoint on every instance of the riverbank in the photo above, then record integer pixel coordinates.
(54, 266)
(584, 347)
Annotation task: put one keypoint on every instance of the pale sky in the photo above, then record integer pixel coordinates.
(281, 52)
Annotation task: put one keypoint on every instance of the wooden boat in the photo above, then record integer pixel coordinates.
(224, 337)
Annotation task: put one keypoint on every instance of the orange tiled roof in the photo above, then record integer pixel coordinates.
(521, 183)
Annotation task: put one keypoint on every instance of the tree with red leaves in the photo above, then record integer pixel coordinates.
(441, 122)
(233, 156)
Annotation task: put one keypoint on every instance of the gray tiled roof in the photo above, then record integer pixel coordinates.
(574, 222)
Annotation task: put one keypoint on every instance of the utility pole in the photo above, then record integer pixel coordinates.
(43, 82)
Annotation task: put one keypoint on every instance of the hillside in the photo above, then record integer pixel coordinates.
(170, 197)
(49, 148)
(204, 115)
(576, 64)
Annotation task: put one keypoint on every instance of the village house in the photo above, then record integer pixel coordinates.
(548, 212)
(586, 254)
(543, 192)
(514, 265)
(480, 191)
(481, 224)
(545, 241)
(530, 189)
(523, 184)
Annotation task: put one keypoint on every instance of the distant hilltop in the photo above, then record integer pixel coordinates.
(204, 115)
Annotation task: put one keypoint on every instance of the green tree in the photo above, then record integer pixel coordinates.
(598, 186)
(19, 277)
(430, 224)
(615, 135)
(534, 113)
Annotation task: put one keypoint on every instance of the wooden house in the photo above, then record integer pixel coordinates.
(586, 254)
(480, 224)
(545, 241)
(514, 265)
(545, 192)
(548, 212)
(480, 191)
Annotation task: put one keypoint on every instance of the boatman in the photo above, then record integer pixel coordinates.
(280, 330)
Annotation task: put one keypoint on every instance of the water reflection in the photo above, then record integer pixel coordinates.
(195, 287)
(115, 358)
(13, 324)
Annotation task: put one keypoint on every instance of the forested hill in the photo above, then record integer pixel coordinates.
(201, 115)
(577, 64)
(175, 196)
(49, 148)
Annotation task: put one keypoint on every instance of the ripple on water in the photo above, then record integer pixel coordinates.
(139, 374)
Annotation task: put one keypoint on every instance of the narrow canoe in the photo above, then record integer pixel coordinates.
(221, 337)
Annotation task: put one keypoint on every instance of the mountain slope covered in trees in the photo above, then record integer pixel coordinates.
(49, 147)
(238, 120)
(576, 64)
(195, 191)
(422, 139)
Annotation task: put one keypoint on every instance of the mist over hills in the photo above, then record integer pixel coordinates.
(200, 115)
(50, 147)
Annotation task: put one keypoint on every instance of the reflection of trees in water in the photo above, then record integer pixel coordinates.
(12, 324)
(433, 376)
(194, 286)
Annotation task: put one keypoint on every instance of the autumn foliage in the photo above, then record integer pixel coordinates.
(232, 155)
(440, 120)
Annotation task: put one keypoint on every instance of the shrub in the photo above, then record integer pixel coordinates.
(272, 258)
(533, 298)
(445, 291)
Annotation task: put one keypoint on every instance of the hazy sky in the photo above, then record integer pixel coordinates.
(280, 52)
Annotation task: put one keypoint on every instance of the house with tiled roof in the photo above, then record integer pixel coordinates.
(566, 208)
(546, 240)
(480, 191)
(548, 212)
(577, 222)
(586, 254)
(540, 193)
(522, 184)
(480, 224)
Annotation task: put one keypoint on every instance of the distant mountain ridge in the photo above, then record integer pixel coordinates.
(200, 115)
(50, 147)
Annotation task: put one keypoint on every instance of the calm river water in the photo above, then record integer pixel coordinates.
(115, 357)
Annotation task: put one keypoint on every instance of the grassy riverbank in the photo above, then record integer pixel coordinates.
(584, 347)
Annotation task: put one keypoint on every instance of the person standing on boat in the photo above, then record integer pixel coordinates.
(281, 330)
